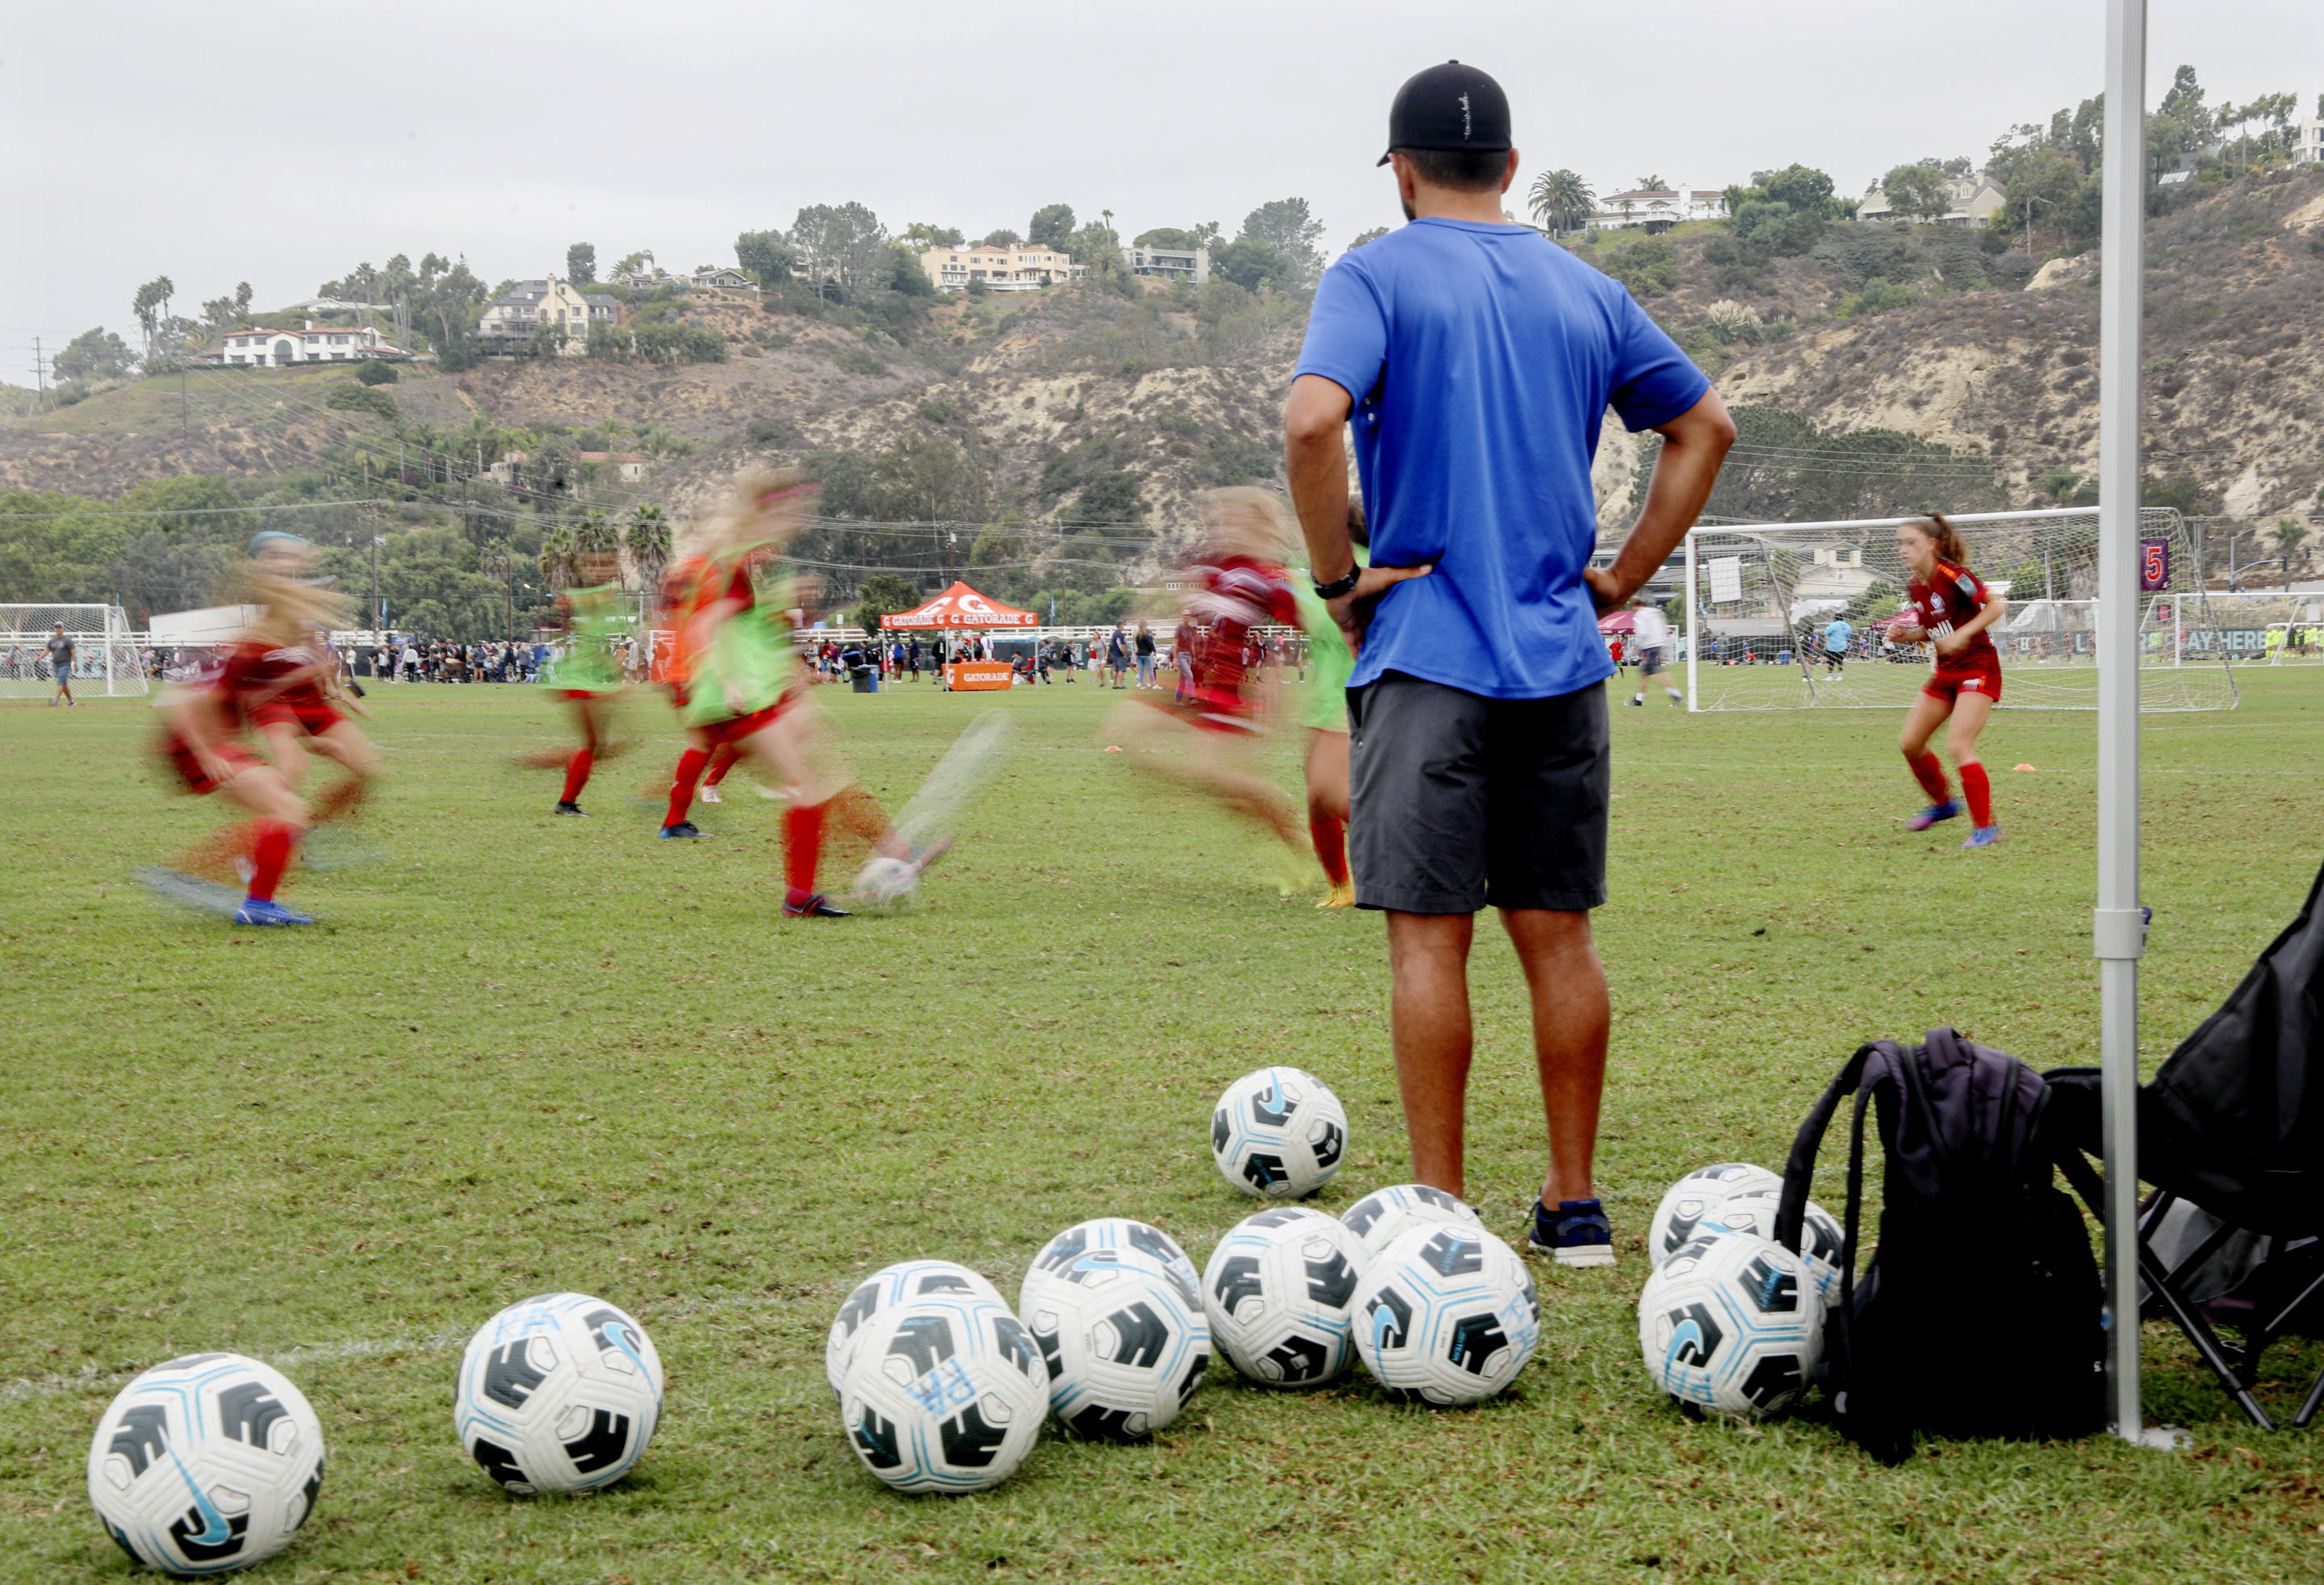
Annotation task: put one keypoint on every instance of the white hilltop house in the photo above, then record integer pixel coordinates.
(1658, 209)
(1025, 267)
(528, 307)
(1974, 199)
(261, 347)
(1192, 264)
(2308, 140)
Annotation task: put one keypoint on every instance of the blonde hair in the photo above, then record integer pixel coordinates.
(761, 509)
(291, 610)
(1250, 519)
(1947, 538)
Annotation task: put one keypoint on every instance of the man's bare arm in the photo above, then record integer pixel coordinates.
(1315, 456)
(1694, 445)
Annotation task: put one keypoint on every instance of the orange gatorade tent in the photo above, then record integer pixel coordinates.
(963, 607)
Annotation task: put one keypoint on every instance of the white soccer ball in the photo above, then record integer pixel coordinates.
(1277, 1292)
(1695, 1197)
(1753, 1212)
(1123, 1347)
(205, 1464)
(1445, 1315)
(894, 1285)
(560, 1392)
(1384, 1215)
(1279, 1132)
(945, 1393)
(1731, 1322)
(885, 882)
(1105, 1244)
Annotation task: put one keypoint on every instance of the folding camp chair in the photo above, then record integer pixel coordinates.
(2233, 1123)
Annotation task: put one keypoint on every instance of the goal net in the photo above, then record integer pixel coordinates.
(105, 661)
(2271, 627)
(1760, 597)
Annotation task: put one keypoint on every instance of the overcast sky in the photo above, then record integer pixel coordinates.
(282, 143)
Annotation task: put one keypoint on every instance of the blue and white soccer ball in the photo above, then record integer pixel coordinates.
(945, 1393)
(205, 1464)
(1731, 1322)
(1695, 1198)
(1384, 1215)
(894, 1285)
(1821, 1243)
(1124, 1349)
(1104, 1244)
(1279, 1133)
(1277, 1291)
(560, 1392)
(1445, 1315)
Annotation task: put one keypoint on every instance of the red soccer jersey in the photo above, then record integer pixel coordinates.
(1947, 600)
(1233, 595)
(254, 674)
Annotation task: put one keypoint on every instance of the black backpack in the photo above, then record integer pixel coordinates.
(1978, 1314)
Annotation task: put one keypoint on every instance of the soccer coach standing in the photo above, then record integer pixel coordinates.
(1475, 360)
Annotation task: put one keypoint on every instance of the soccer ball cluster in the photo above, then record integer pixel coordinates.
(942, 1387)
(212, 1462)
(1731, 1320)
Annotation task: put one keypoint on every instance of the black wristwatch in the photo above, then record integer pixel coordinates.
(1338, 587)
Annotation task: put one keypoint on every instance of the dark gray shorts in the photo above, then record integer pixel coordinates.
(1460, 802)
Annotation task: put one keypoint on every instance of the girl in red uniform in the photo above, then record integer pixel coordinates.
(1949, 607)
(295, 694)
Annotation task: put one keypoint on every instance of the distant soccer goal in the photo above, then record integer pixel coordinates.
(105, 662)
(1760, 598)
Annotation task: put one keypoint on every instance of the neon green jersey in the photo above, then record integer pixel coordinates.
(598, 624)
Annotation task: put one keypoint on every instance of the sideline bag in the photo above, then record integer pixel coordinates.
(1979, 1314)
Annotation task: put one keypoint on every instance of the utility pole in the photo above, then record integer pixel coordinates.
(378, 612)
(40, 375)
(182, 430)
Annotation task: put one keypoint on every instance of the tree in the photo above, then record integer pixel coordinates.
(648, 542)
(95, 353)
(581, 263)
(1807, 190)
(1109, 498)
(1364, 237)
(883, 594)
(1253, 264)
(1049, 227)
(1002, 238)
(151, 305)
(766, 256)
(2290, 537)
(922, 235)
(1917, 192)
(1164, 236)
(375, 372)
(1653, 184)
(1285, 226)
(2184, 103)
(1562, 200)
(844, 244)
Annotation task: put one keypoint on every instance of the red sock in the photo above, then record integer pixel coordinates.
(802, 847)
(1979, 789)
(270, 855)
(1331, 837)
(577, 773)
(1931, 776)
(721, 761)
(681, 785)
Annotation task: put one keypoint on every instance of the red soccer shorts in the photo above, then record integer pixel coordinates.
(1976, 674)
(188, 769)
(717, 733)
(306, 709)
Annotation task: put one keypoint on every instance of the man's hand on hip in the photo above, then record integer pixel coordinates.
(1353, 611)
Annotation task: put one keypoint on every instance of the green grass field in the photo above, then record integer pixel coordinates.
(523, 1053)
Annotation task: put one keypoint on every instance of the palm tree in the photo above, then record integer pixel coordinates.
(649, 537)
(559, 550)
(1653, 184)
(1561, 201)
(594, 535)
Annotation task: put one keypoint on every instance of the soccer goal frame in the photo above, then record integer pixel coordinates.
(106, 660)
(1758, 596)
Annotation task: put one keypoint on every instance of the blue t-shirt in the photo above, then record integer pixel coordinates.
(1481, 359)
(1836, 635)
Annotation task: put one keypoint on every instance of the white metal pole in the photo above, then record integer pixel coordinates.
(1691, 644)
(2118, 936)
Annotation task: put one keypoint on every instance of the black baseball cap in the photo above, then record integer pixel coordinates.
(1449, 107)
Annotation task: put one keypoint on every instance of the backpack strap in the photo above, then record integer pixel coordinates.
(1799, 1172)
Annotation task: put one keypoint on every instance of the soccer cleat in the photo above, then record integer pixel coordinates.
(1984, 836)
(566, 807)
(1342, 896)
(683, 828)
(266, 911)
(1948, 810)
(1574, 1234)
(709, 795)
(811, 905)
(1638, 703)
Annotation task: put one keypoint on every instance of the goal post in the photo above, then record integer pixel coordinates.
(1760, 597)
(107, 662)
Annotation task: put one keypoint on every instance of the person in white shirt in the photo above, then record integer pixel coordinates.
(1651, 633)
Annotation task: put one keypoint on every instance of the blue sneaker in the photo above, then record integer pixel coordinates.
(1984, 836)
(265, 911)
(1576, 1233)
(683, 828)
(1948, 810)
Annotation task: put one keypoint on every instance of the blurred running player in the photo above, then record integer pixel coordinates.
(1650, 632)
(1236, 583)
(1325, 714)
(588, 678)
(294, 687)
(1949, 607)
(749, 690)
